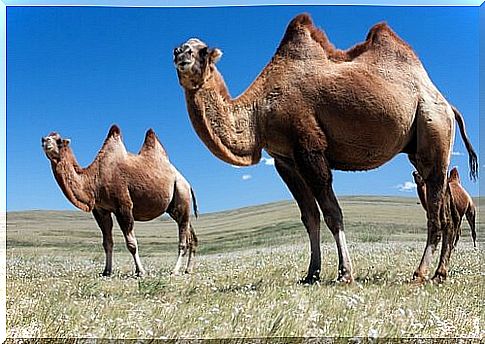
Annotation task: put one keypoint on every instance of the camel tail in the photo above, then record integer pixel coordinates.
(194, 203)
(472, 156)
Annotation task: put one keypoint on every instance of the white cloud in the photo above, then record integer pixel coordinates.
(246, 176)
(267, 161)
(406, 187)
(457, 153)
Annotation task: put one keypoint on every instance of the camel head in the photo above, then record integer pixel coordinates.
(195, 62)
(52, 145)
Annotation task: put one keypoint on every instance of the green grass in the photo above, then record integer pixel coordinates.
(244, 284)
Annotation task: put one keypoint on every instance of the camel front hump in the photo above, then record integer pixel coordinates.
(131, 187)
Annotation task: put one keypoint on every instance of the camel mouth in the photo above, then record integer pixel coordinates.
(48, 144)
(183, 58)
(184, 66)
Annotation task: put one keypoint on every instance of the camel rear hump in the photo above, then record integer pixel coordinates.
(152, 144)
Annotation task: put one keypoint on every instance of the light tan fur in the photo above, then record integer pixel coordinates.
(315, 108)
(461, 198)
(133, 187)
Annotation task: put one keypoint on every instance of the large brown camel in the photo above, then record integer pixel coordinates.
(315, 108)
(134, 187)
(462, 200)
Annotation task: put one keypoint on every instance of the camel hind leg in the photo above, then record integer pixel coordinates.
(435, 132)
(182, 249)
(192, 247)
(180, 212)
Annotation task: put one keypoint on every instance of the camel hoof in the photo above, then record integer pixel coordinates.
(140, 274)
(309, 280)
(345, 279)
(438, 278)
(419, 278)
(106, 273)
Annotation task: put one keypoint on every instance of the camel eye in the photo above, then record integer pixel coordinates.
(203, 52)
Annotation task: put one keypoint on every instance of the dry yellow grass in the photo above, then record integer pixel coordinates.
(245, 279)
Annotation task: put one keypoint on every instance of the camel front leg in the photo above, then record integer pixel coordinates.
(105, 223)
(310, 215)
(316, 172)
(126, 222)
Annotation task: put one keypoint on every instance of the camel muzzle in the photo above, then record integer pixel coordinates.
(183, 57)
(47, 143)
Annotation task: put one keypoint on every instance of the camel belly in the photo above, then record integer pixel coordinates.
(357, 159)
(367, 129)
(149, 204)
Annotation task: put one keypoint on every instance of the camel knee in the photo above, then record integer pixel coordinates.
(334, 223)
(310, 221)
(333, 218)
(132, 246)
(183, 247)
(194, 241)
(108, 245)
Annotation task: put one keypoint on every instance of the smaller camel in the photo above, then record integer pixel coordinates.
(134, 187)
(462, 200)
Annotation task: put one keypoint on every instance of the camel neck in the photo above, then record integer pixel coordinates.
(77, 184)
(228, 127)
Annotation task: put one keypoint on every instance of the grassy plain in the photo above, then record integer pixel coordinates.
(244, 283)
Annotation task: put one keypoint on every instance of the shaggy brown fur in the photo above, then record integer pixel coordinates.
(133, 187)
(463, 201)
(315, 108)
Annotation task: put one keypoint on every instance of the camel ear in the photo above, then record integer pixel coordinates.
(417, 178)
(215, 55)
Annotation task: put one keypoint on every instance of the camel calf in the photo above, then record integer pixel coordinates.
(133, 187)
(463, 202)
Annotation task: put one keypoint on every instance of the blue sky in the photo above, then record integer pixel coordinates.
(77, 70)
